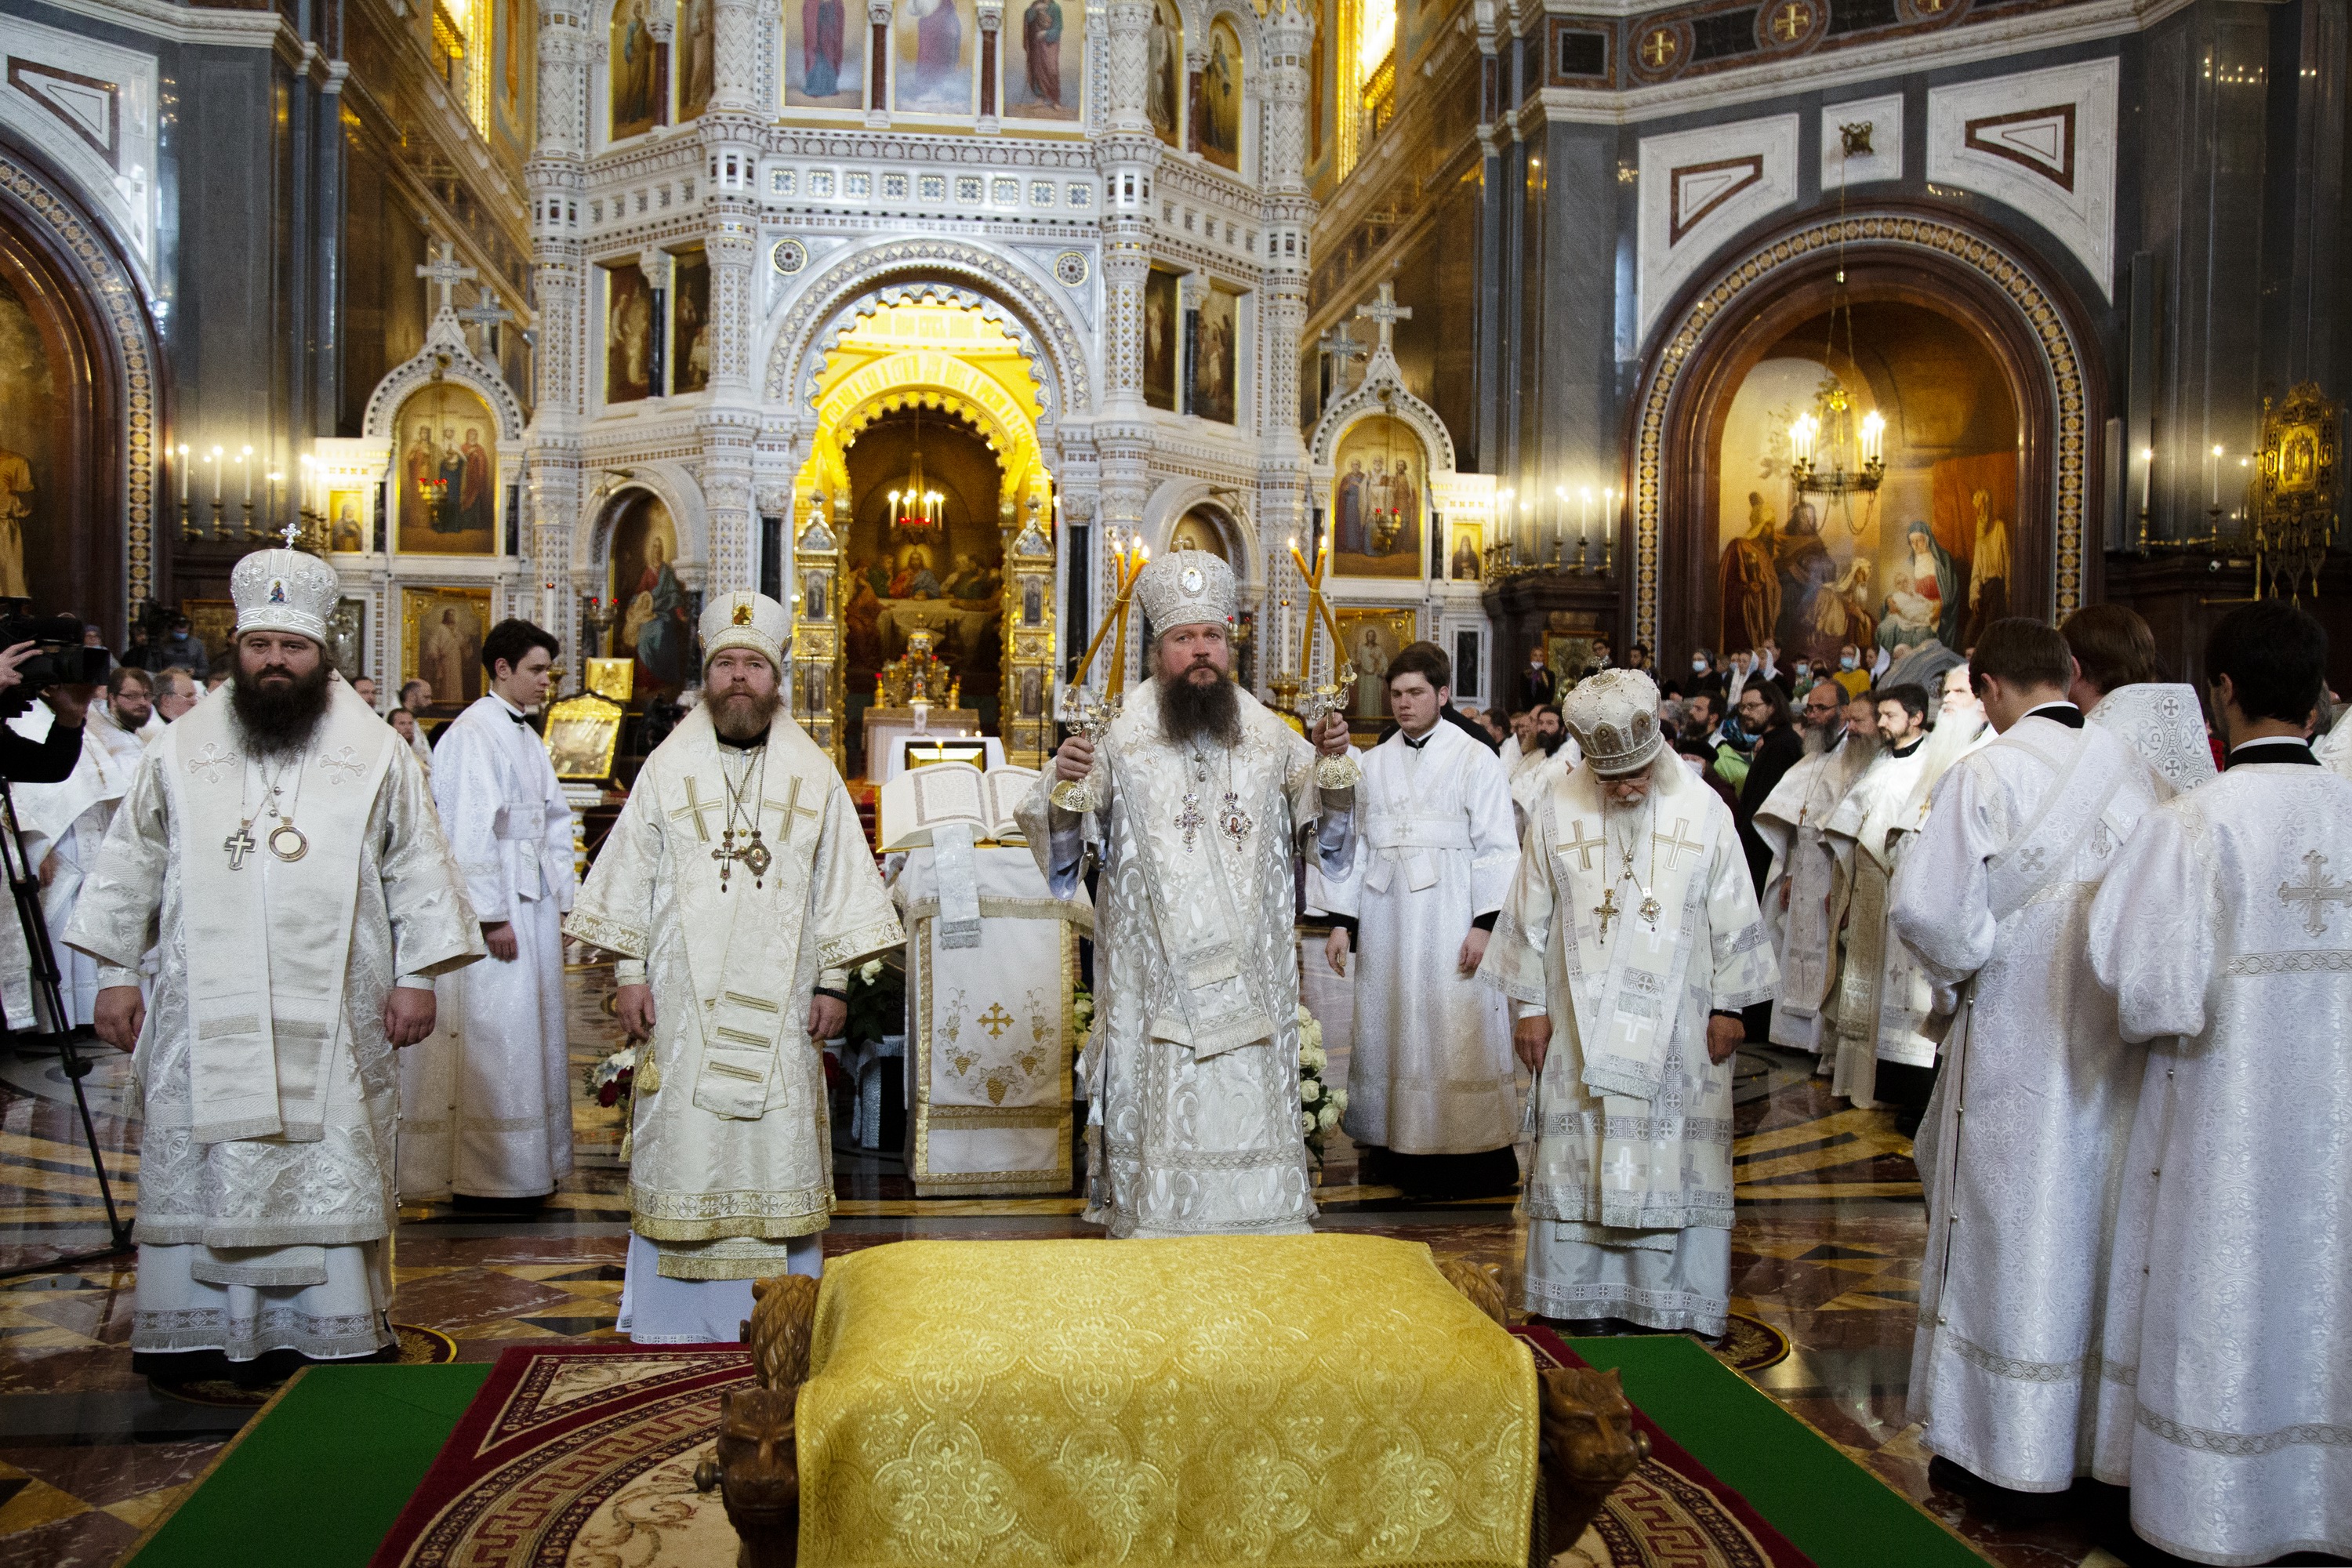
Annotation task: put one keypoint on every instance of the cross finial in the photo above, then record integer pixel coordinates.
(485, 313)
(1384, 313)
(1341, 344)
(445, 274)
(293, 530)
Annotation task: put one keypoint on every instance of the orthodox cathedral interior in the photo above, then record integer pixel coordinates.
(1517, 329)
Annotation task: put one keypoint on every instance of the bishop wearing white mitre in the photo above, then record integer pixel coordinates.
(1430, 1076)
(1805, 890)
(736, 888)
(487, 1100)
(1192, 1073)
(1628, 944)
(2222, 930)
(2022, 1145)
(278, 851)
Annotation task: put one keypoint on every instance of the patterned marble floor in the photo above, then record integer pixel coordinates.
(1826, 1248)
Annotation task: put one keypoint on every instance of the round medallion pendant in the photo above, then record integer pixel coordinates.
(286, 842)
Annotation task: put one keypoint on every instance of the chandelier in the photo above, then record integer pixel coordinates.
(914, 504)
(1830, 452)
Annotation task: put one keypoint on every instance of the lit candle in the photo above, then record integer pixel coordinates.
(216, 460)
(244, 461)
(1800, 439)
(183, 477)
(1584, 518)
(1873, 429)
(2217, 476)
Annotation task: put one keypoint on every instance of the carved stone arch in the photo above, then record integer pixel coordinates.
(443, 359)
(1176, 496)
(1247, 26)
(991, 310)
(2032, 327)
(1382, 393)
(126, 365)
(1069, 390)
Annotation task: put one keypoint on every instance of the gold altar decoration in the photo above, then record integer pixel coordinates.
(1302, 1400)
(583, 734)
(816, 697)
(1316, 703)
(919, 674)
(1085, 714)
(2296, 491)
(1024, 716)
(616, 678)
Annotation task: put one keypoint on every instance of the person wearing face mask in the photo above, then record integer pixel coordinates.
(1850, 674)
(1535, 687)
(1638, 898)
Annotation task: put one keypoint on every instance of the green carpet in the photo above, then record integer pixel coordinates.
(1830, 1508)
(319, 1476)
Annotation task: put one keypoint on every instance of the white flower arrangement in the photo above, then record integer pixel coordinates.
(1321, 1104)
(871, 971)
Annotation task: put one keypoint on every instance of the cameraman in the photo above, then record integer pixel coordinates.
(49, 761)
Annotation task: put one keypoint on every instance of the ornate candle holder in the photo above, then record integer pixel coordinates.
(1086, 715)
(1318, 703)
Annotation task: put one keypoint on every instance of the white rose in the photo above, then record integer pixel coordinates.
(1305, 1125)
(1328, 1115)
(1304, 1015)
(871, 971)
(1340, 1099)
(1314, 1058)
(1310, 1092)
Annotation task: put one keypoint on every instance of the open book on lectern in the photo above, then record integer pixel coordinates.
(918, 801)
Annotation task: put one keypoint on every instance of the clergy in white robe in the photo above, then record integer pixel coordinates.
(126, 720)
(2225, 1399)
(1859, 830)
(1200, 794)
(1806, 887)
(64, 823)
(2023, 1142)
(2118, 684)
(487, 1101)
(1628, 945)
(736, 888)
(1430, 1076)
(279, 852)
(1554, 754)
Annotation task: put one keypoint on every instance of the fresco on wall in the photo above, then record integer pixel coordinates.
(1926, 558)
(447, 473)
(653, 626)
(1376, 494)
(933, 72)
(689, 332)
(825, 55)
(639, 67)
(1199, 530)
(1045, 63)
(1219, 132)
(28, 388)
(628, 335)
(1163, 79)
(1216, 356)
(698, 42)
(1163, 323)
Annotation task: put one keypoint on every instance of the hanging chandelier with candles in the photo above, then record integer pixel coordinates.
(1832, 453)
(915, 504)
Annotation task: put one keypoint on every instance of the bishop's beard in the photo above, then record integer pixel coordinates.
(1821, 739)
(1189, 712)
(744, 715)
(279, 720)
(1551, 740)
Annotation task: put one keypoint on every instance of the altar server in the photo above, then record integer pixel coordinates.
(736, 888)
(280, 852)
(1628, 944)
(2118, 685)
(1859, 830)
(2225, 1398)
(2024, 1139)
(64, 823)
(1805, 887)
(1433, 1098)
(1192, 1073)
(487, 1100)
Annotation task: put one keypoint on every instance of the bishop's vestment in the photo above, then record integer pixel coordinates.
(270, 1093)
(1192, 1070)
(731, 1153)
(1628, 926)
(1806, 888)
(2022, 1146)
(1859, 831)
(487, 1098)
(2224, 928)
(1430, 1069)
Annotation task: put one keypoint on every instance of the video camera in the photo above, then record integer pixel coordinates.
(62, 659)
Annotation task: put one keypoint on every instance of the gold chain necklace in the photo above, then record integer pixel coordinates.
(286, 841)
(754, 854)
(1650, 908)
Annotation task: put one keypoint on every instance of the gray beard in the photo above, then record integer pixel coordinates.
(1818, 741)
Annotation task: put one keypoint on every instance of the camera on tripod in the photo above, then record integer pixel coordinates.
(61, 659)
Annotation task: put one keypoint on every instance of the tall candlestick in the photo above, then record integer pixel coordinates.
(183, 477)
(2217, 476)
(244, 461)
(216, 460)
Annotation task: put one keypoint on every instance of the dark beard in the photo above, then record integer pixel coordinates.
(1188, 712)
(735, 721)
(280, 719)
(1550, 742)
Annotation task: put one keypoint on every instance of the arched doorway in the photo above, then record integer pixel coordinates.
(1946, 290)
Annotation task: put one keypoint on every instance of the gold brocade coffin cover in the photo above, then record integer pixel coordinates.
(1296, 1400)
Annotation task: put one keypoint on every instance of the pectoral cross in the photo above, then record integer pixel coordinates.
(1190, 820)
(2314, 891)
(1607, 910)
(1674, 843)
(694, 807)
(240, 845)
(1584, 846)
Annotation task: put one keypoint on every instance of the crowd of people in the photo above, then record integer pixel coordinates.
(2011, 895)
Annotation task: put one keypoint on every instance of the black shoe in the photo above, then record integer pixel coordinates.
(1574, 1328)
(467, 1202)
(1996, 1504)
